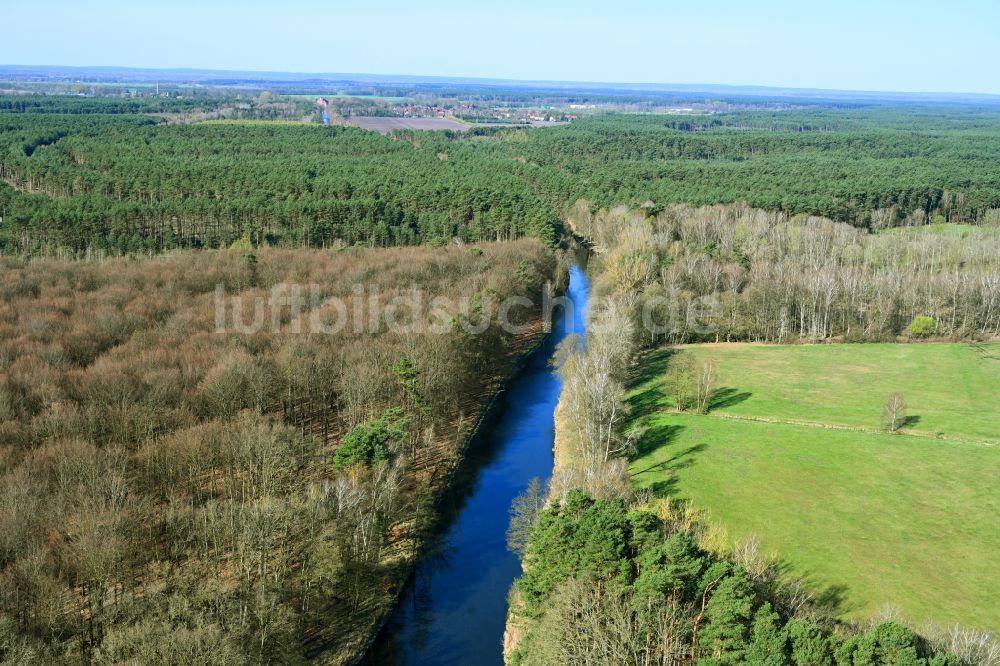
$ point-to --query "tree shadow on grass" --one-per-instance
(910, 421)
(727, 397)
(652, 398)
(833, 599)
(830, 600)
(667, 486)
(664, 488)
(654, 438)
(646, 402)
(652, 365)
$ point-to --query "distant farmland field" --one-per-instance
(791, 452)
(387, 125)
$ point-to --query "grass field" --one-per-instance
(385, 125)
(791, 452)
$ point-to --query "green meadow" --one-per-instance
(791, 452)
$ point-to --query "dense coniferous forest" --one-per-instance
(841, 164)
(65, 105)
(101, 174)
(612, 581)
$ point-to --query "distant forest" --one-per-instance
(112, 174)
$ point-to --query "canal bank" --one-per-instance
(454, 609)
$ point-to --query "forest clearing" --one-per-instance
(791, 451)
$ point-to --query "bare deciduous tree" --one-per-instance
(692, 382)
(704, 384)
(523, 514)
(894, 412)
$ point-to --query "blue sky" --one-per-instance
(914, 45)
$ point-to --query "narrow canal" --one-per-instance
(454, 610)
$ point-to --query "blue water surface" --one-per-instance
(454, 609)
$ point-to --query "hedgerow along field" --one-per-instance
(872, 520)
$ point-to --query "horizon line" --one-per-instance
(445, 78)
